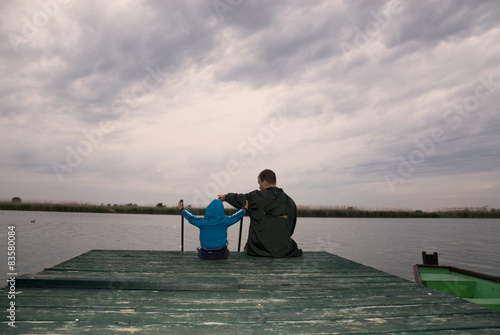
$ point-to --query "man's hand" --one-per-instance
(180, 204)
(246, 205)
(222, 197)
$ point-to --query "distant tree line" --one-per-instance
(303, 211)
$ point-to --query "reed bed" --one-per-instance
(303, 211)
(354, 212)
(94, 208)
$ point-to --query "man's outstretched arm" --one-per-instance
(236, 200)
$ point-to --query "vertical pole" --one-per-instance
(239, 239)
(182, 233)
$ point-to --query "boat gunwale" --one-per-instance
(485, 276)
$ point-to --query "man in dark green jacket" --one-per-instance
(273, 216)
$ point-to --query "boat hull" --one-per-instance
(475, 287)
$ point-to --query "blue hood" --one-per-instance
(215, 210)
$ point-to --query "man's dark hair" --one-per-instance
(268, 175)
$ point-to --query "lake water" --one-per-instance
(390, 245)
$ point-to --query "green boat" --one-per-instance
(478, 288)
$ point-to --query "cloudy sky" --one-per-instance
(375, 104)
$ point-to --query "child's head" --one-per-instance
(215, 210)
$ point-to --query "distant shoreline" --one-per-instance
(303, 211)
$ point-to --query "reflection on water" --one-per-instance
(391, 245)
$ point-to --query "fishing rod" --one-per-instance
(239, 239)
(182, 229)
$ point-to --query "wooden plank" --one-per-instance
(224, 314)
(122, 282)
(109, 299)
(258, 323)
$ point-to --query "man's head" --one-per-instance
(266, 179)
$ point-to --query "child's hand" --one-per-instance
(246, 205)
(180, 204)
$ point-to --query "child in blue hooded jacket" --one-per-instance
(213, 228)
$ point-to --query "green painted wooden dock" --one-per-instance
(169, 292)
